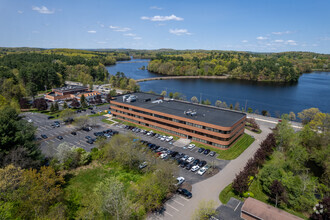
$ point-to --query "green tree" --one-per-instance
(163, 93)
(194, 99)
(250, 110)
(67, 114)
(177, 95)
(52, 108)
(207, 102)
(236, 106)
(170, 95)
(56, 107)
(218, 103)
(205, 210)
(65, 105)
(83, 101)
(308, 115)
(113, 198)
(292, 116)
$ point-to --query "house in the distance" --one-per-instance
(70, 92)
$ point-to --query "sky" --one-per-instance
(240, 25)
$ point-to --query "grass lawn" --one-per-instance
(227, 193)
(234, 151)
(46, 112)
(98, 114)
(145, 128)
(107, 121)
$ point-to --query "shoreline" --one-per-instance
(181, 77)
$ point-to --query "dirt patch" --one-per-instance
(211, 172)
(186, 186)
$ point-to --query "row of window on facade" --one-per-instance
(180, 121)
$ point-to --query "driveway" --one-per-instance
(210, 188)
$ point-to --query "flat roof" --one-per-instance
(70, 88)
(207, 114)
(264, 211)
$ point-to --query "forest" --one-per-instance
(275, 67)
(25, 72)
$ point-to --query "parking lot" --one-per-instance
(49, 145)
(190, 177)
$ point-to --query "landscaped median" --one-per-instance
(234, 151)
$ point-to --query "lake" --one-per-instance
(312, 89)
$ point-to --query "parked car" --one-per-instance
(44, 136)
(195, 168)
(184, 164)
(90, 141)
(202, 163)
(74, 133)
(185, 157)
(60, 137)
(190, 159)
(201, 150)
(202, 170)
(212, 154)
(180, 180)
(206, 152)
(191, 146)
(169, 138)
(185, 193)
(162, 138)
(50, 117)
(196, 162)
(189, 166)
(88, 137)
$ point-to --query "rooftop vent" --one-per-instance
(131, 98)
(125, 97)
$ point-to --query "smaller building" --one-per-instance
(253, 209)
(70, 92)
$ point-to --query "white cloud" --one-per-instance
(119, 29)
(130, 35)
(20, 12)
(291, 42)
(278, 41)
(91, 32)
(155, 8)
(262, 38)
(137, 38)
(283, 32)
(244, 41)
(162, 18)
(179, 32)
(42, 10)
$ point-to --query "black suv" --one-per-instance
(201, 150)
(207, 151)
(74, 133)
(185, 193)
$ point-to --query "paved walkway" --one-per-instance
(210, 188)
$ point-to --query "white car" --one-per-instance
(180, 180)
(191, 146)
(163, 155)
(195, 168)
(30, 120)
(169, 138)
(162, 138)
(202, 170)
(190, 159)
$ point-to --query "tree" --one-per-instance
(66, 114)
(205, 210)
(252, 122)
(264, 113)
(206, 102)
(19, 157)
(133, 86)
(177, 95)
(113, 92)
(52, 109)
(108, 97)
(40, 104)
(308, 115)
(24, 103)
(16, 132)
(278, 192)
(113, 198)
(83, 121)
(250, 110)
(83, 101)
(231, 106)
(194, 99)
(163, 93)
(241, 182)
(321, 121)
(98, 99)
(3, 101)
(170, 95)
(65, 105)
(292, 116)
(75, 103)
(56, 107)
(224, 105)
(236, 106)
(218, 103)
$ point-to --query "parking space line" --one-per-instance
(184, 198)
(237, 206)
(168, 213)
(52, 141)
(173, 207)
(177, 202)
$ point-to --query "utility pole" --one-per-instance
(200, 98)
(245, 104)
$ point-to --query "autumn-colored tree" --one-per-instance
(40, 104)
(278, 192)
(75, 103)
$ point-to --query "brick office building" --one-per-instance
(205, 124)
(70, 92)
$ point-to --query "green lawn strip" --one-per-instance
(46, 112)
(234, 151)
(250, 129)
(98, 114)
(146, 128)
(107, 121)
(227, 193)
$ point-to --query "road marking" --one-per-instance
(177, 202)
(46, 142)
(52, 141)
(184, 198)
(173, 207)
(168, 213)
(237, 206)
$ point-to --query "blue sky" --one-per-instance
(245, 25)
